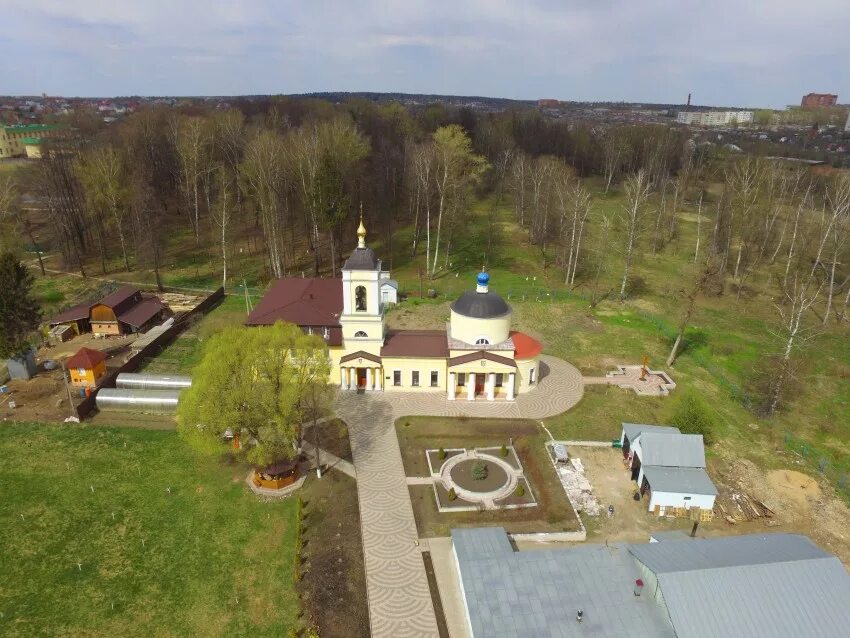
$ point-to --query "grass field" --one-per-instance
(92, 542)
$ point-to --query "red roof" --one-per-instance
(138, 315)
(525, 347)
(305, 302)
(119, 299)
(76, 313)
(416, 343)
(85, 358)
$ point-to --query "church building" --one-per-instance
(477, 356)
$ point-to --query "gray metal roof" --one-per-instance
(480, 305)
(537, 592)
(392, 283)
(778, 600)
(729, 551)
(669, 535)
(634, 430)
(362, 259)
(672, 450)
(683, 480)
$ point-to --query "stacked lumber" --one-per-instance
(737, 507)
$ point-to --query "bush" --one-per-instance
(480, 471)
(441, 454)
(520, 490)
(452, 494)
(692, 415)
(504, 451)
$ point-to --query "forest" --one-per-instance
(442, 189)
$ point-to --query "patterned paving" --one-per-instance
(399, 598)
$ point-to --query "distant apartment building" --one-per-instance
(548, 103)
(24, 140)
(714, 118)
(814, 100)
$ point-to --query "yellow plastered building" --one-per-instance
(477, 356)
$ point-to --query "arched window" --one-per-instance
(360, 298)
(482, 341)
(360, 333)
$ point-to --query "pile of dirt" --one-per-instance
(795, 486)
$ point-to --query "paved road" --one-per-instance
(399, 598)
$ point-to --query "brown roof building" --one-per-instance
(314, 304)
(123, 311)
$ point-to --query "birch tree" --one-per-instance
(221, 215)
(192, 143)
(456, 170)
(838, 201)
(637, 194)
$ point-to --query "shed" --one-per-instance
(87, 367)
(677, 487)
(389, 291)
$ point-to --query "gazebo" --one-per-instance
(276, 475)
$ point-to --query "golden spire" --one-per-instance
(361, 231)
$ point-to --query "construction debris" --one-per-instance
(736, 507)
(577, 487)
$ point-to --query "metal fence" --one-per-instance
(834, 468)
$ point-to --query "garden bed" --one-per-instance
(511, 457)
(435, 462)
(417, 435)
(458, 504)
(514, 500)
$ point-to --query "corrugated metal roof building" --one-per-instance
(770, 586)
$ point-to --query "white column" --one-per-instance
(344, 376)
(491, 386)
(352, 378)
(511, 384)
(373, 377)
(452, 385)
(470, 386)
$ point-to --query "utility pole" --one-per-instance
(68, 388)
(247, 303)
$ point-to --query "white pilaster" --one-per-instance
(470, 386)
(491, 386)
(452, 385)
(511, 384)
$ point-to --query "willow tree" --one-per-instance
(260, 384)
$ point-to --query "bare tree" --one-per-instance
(191, 138)
(692, 294)
(222, 215)
(637, 194)
(792, 332)
(615, 152)
(838, 200)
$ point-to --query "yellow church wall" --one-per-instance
(406, 366)
(469, 329)
(524, 368)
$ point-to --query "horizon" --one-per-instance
(769, 57)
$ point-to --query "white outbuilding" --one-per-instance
(669, 468)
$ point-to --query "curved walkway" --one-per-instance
(397, 587)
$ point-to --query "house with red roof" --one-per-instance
(477, 357)
(87, 367)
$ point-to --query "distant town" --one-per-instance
(816, 130)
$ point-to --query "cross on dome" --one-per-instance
(361, 231)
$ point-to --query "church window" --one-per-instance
(360, 333)
(414, 378)
(531, 375)
(360, 298)
(482, 341)
(435, 378)
(396, 377)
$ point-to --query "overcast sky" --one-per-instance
(726, 52)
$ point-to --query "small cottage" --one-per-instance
(87, 367)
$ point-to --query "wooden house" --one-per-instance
(87, 367)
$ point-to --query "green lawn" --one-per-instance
(128, 558)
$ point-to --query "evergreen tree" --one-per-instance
(19, 311)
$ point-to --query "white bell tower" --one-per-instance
(362, 317)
